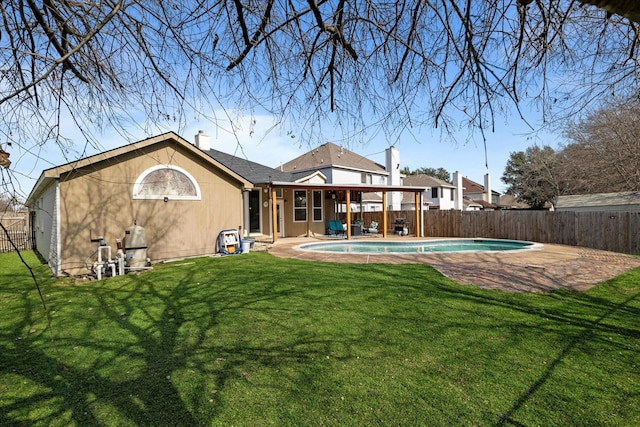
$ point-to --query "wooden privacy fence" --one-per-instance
(18, 229)
(611, 231)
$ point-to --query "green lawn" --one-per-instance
(256, 340)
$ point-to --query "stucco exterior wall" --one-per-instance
(301, 228)
(98, 201)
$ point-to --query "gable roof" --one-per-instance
(472, 187)
(469, 186)
(426, 181)
(51, 174)
(331, 155)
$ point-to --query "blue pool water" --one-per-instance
(449, 245)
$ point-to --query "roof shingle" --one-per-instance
(330, 154)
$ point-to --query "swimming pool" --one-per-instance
(413, 246)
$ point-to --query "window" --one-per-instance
(434, 193)
(317, 205)
(452, 194)
(366, 178)
(299, 205)
(163, 181)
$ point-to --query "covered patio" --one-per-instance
(351, 192)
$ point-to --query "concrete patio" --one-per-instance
(539, 270)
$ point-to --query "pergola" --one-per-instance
(348, 189)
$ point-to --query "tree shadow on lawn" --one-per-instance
(575, 322)
(118, 356)
(158, 350)
(580, 322)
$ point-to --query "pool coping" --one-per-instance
(543, 269)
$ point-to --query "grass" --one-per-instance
(257, 340)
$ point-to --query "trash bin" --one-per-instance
(246, 246)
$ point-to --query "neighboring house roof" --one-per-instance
(422, 180)
(508, 201)
(54, 173)
(251, 171)
(467, 203)
(426, 181)
(483, 203)
(599, 200)
(472, 187)
(371, 197)
(331, 155)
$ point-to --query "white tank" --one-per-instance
(135, 247)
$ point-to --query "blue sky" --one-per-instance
(257, 139)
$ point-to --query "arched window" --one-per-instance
(163, 181)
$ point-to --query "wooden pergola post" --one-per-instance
(348, 197)
(309, 211)
(418, 214)
(384, 214)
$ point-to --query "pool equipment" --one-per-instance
(135, 247)
(130, 256)
(105, 264)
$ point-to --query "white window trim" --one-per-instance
(314, 207)
(306, 207)
(143, 175)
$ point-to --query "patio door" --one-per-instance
(254, 211)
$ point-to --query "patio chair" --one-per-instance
(335, 227)
(373, 228)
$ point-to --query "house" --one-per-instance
(180, 194)
(628, 201)
(342, 166)
(184, 194)
(438, 195)
(460, 194)
(479, 193)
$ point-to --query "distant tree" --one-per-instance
(440, 173)
(531, 176)
(603, 155)
(9, 203)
